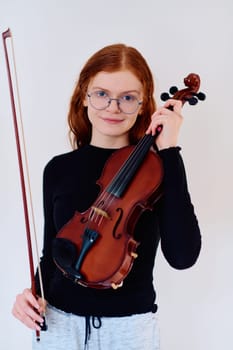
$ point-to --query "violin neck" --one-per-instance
(125, 174)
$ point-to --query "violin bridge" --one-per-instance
(101, 212)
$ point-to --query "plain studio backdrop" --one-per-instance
(52, 41)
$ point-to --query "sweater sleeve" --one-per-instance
(46, 263)
(179, 229)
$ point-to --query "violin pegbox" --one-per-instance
(190, 94)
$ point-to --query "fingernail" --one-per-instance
(37, 326)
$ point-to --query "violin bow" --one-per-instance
(26, 203)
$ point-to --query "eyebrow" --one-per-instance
(123, 92)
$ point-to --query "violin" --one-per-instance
(97, 248)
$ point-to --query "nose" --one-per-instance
(113, 105)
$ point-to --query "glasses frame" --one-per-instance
(118, 100)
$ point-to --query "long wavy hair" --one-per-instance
(111, 58)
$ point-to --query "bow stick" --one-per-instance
(5, 35)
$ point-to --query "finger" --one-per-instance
(26, 306)
(176, 104)
(23, 310)
(161, 112)
(37, 302)
(155, 126)
(28, 321)
(31, 298)
(27, 298)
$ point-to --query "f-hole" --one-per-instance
(114, 233)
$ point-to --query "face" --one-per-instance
(110, 126)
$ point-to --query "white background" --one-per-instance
(52, 40)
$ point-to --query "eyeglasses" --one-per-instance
(127, 104)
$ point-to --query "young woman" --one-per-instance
(112, 106)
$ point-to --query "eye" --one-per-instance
(128, 98)
(101, 93)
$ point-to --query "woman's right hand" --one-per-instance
(28, 309)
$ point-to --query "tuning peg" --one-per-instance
(173, 90)
(192, 101)
(164, 96)
(201, 96)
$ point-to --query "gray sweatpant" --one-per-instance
(72, 332)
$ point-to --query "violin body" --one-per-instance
(97, 248)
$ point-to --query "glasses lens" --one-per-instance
(128, 104)
(99, 99)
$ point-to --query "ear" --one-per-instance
(85, 104)
(140, 112)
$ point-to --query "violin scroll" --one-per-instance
(189, 94)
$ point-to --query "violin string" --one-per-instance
(27, 173)
(106, 195)
(131, 161)
(106, 198)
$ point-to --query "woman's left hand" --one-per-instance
(170, 122)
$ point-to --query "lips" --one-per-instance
(112, 120)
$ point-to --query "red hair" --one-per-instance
(111, 58)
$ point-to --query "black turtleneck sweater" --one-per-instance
(69, 186)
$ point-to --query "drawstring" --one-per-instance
(96, 323)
